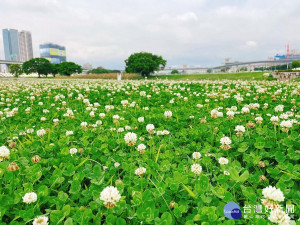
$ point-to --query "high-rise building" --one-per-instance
(53, 52)
(17, 45)
(11, 44)
(25, 46)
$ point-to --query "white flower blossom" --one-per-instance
(196, 155)
(41, 220)
(280, 217)
(29, 197)
(140, 171)
(223, 161)
(110, 196)
(41, 132)
(4, 152)
(130, 138)
(196, 169)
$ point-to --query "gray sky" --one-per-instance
(193, 32)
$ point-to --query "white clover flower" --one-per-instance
(116, 117)
(83, 124)
(196, 169)
(41, 220)
(116, 164)
(226, 173)
(239, 128)
(41, 132)
(225, 140)
(143, 93)
(230, 113)
(214, 113)
(130, 138)
(165, 132)
(29, 131)
(4, 152)
(284, 116)
(92, 114)
(141, 119)
(29, 197)
(279, 216)
(159, 132)
(121, 129)
(102, 115)
(22, 133)
(105, 168)
(223, 161)
(43, 118)
(279, 108)
(272, 193)
(219, 114)
(55, 120)
(73, 151)
(140, 171)
(286, 124)
(98, 122)
(196, 155)
(245, 110)
(69, 132)
(150, 128)
(233, 108)
(127, 127)
(141, 148)
(274, 119)
(124, 102)
(110, 195)
(168, 114)
(258, 119)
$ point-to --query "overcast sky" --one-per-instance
(193, 32)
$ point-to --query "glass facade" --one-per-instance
(54, 53)
(11, 44)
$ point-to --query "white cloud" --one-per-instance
(200, 32)
(251, 44)
(189, 16)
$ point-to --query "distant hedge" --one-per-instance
(287, 70)
(101, 71)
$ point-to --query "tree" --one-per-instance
(54, 69)
(144, 63)
(16, 69)
(174, 72)
(101, 70)
(68, 68)
(224, 69)
(208, 70)
(295, 64)
(40, 66)
(243, 68)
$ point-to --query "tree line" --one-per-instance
(42, 66)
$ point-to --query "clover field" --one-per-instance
(148, 152)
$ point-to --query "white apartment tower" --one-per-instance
(25, 46)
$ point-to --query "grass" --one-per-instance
(220, 76)
(297, 79)
(113, 76)
(217, 76)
